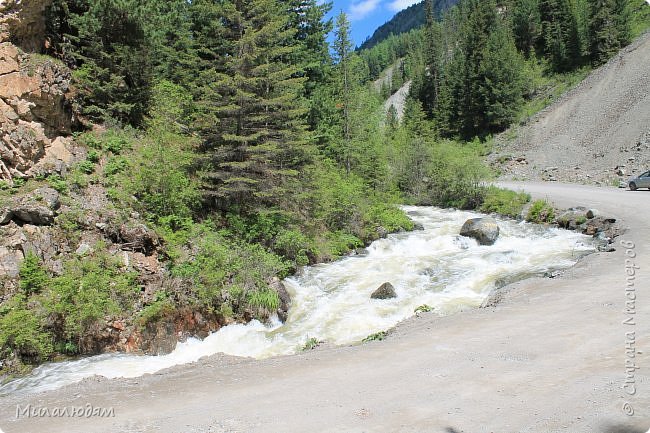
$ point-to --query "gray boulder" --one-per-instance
(484, 230)
(39, 208)
(385, 291)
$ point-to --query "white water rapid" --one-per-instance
(331, 302)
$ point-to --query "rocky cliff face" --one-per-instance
(22, 22)
(35, 95)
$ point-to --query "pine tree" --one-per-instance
(608, 28)
(560, 34)
(106, 44)
(257, 143)
(502, 87)
(433, 57)
(526, 25)
(343, 51)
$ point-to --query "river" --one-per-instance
(331, 302)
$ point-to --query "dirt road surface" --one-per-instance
(550, 358)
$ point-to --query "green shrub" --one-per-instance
(504, 202)
(33, 277)
(311, 344)
(266, 301)
(19, 182)
(21, 332)
(389, 217)
(86, 167)
(377, 336)
(339, 243)
(157, 310)
(57, 183)
(424, 308)
(115, 165)
(90, 289)
(541, 212)
(93, 156)
(293, 245)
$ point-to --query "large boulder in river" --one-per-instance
(484, 230)
(385, 291)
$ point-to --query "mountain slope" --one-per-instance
(410, 18)
(597, 133)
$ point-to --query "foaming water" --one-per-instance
(331, 302)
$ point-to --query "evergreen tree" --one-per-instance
(608, 28)
(106, 44)
(257, 143)
(526, 25)
(343, 52)
(433, 57)
(560, 34)
(502, 81)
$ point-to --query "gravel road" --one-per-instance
(550, 358)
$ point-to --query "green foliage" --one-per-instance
(541, 212)
(504, 202)
(640, 21)
(311, 344)
(33, 278)
(86, 167)
(158, 309)
(105, 42)
(58, 183)
(90, 289)
(377, 336)
(609, 28)
(21, 332)
(560, 34)
(93, 156)
(116, 165)
(294, 246)
(225, 271)
(265, 300)
(253, 115)
(423, 309)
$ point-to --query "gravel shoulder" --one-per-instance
(549, 358)
(597, 133)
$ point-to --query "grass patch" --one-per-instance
(377, 336)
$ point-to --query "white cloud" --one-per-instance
(398, 5)
(360, 10)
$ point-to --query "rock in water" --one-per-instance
(484, 230)
(385, 291)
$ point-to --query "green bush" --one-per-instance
(266, 301)
(157, 310)
(90, 289)
(21, 332)
(504, 202)
(293, 245)
(58, 183)
(541, 212)
(377, 336)
(86, 167)
(115, 165)
(93, 156)
(33, 277)
(338, 243)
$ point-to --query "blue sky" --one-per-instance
(367, 15)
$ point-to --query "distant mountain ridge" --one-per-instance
(404, 21)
